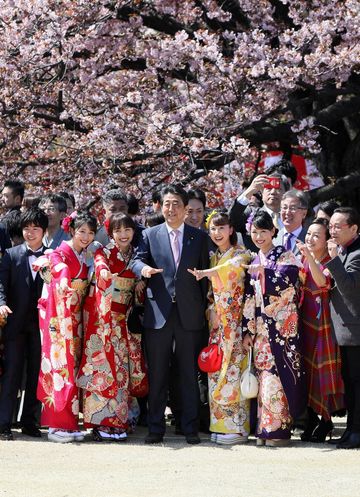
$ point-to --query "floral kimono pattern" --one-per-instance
(271, 316)
(111, 356)
(61, 332)
(229, 413)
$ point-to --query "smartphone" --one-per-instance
(273, 183)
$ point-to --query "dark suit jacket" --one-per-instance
(278, 240)
(155, 250)
(15, 291)
(238, 214)
(345, 295)
(5, 241)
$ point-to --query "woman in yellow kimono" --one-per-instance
(229, 413)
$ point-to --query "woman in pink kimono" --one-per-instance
(61, 328)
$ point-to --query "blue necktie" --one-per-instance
(289, 237)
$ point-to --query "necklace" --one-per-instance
(321, 258)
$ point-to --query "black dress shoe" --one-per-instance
(320, 433)
(154, 438)
(31, 431)
(312, 423)
(343, 438)
(353, 442)
(6, 434)
(192, 438)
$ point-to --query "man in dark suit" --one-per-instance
(174, 310)
(293, 211)
(271, 195)
(20, 289)
(12, 196)
(344, 266)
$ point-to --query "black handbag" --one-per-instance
(135, 319)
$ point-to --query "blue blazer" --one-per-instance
(155, 250)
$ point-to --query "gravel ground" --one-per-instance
(38, 468)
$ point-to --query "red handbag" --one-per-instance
(210, 358)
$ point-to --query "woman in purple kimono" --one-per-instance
(270, 325)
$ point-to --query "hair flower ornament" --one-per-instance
(249, 222)
(209, 218)
(67, 221)
(106, 225)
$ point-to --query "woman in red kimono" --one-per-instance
(321, 353)
(61, 328)
(111, 360)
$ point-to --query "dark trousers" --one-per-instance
(159, 347)
(350, 370)
(25, 348)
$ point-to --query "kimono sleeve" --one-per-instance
(283, 274)
(59, 269)
(232, 270)
(249, 310)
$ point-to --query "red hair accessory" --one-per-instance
(67, 221)
(106, 225)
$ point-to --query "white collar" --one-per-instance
(295, 233)
(180, 229)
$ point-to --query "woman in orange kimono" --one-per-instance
(61, 328)
(111, 369)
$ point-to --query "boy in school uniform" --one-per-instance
(20, 289)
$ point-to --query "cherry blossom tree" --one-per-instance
(146, 91)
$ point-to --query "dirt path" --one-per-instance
(41, 469)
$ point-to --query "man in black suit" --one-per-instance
(271, 194)
(174, 310)
(12, 196)
(20, 289)
(344, 266)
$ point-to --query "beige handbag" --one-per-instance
(249, 385)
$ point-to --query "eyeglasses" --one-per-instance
(291, 208)
(49, 209)
(337, 227)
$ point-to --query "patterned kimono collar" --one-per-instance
(271, 256)
(72, 254)
(111, 247)
(221, 255)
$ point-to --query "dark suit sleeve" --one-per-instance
(347, 279)
(142, 255)
(5, 274)
(238, 214)
(5, 241)
(204, 264)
